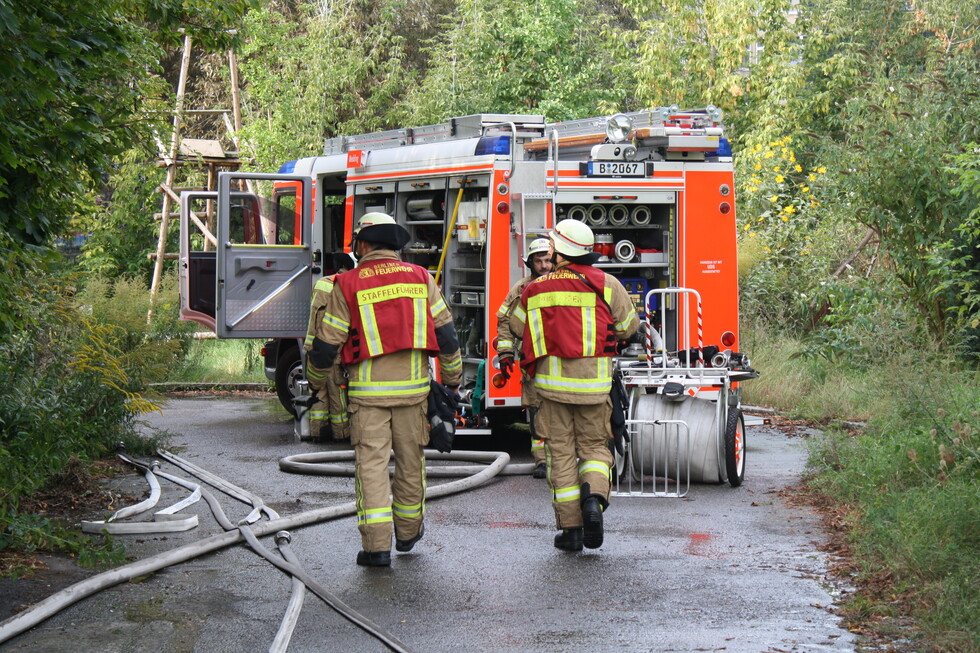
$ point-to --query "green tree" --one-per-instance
(79, 80)
(329, 68)
(894, 135)
(511, 57)
(698, 52)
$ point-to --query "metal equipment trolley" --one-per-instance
(685, 420)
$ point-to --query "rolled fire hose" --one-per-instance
(625, 251)
(597, 215)
(619, 214)
(641, 216)
(56, 602)
(577, 212)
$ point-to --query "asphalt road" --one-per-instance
(723, 569)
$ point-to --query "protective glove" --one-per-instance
(443, 404)
(506, 365)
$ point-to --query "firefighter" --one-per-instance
(329, 386)
(571, 320)
(385, 319)
(538, 261)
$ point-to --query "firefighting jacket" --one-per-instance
(570, 332)
(390, 364)
(506, 342)
(321, 291)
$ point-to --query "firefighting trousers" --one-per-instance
(329, 411)
(537, 444)
(376, 433)
(576, 438)
(529, 400)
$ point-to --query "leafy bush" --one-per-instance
(913, 479)
(75, 363)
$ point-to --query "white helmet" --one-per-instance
(538, 246)
(572, 238)
(381, 228)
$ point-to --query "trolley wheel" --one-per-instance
(735, 447)
(289, 369)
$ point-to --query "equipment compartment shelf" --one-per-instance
(631, 265)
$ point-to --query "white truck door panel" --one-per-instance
(264, 273)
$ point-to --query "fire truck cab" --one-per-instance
(655, 186)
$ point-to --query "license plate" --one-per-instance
(616, 169)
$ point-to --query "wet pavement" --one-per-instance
(723, 569)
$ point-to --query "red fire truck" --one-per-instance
(656, 187)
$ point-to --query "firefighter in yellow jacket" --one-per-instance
(538, 261)
(571, 320)
(385, 319)
(329, 409)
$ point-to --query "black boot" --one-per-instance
(570, 539)
(406, 545)
(374, 558)
(592, 507)
(540, 471)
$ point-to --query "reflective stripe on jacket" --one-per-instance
(393, 310)
(567, 318)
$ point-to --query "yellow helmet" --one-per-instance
(572, 238)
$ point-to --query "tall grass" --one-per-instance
(209, 360)
(911, 476)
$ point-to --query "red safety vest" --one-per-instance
(565, 317)
(389, 306)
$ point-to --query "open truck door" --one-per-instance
(263, 261)
(197, 264)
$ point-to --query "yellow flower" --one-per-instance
(789, 209)
(767, 249)
(774, 198)
(757, 166)
(769, 154)
(751, 189)
(792, 157)
(822, 170)
(785, 218)
(812, 177)
(806, 189)
(780, 179)
(798, 167)
(756, 180)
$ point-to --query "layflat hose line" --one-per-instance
(339, 606)
(164, 521)
(56, 602)
(322, 463)
(296, 597)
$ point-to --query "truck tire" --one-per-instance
(289, 369)
(735, 447)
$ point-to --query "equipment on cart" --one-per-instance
(685, 422)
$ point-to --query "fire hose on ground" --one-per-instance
(324, 463)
